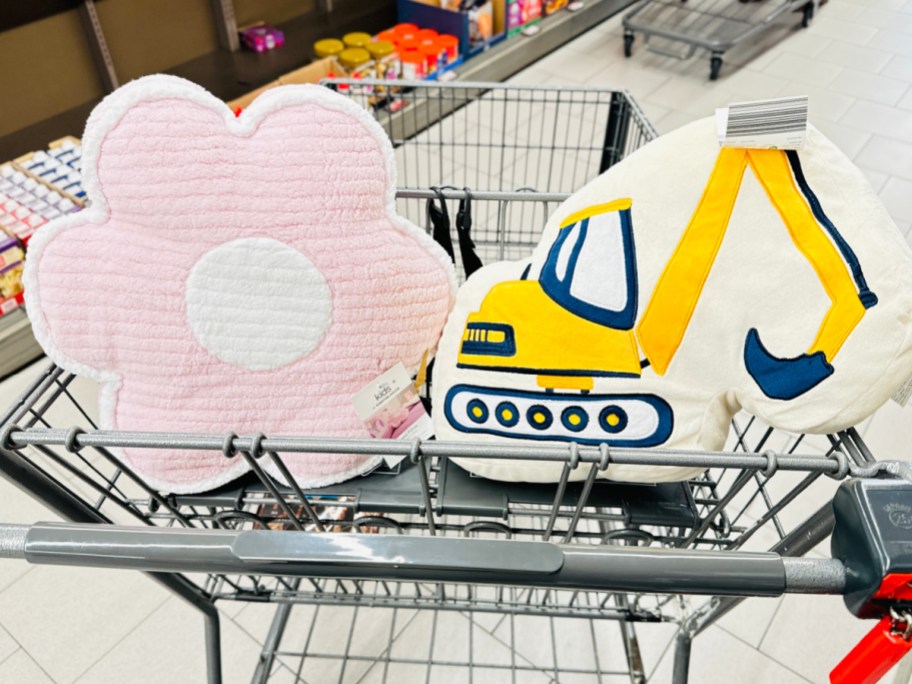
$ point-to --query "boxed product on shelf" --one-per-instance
(477, 28)
(27, 203)
(262, 37)
(11, 263)
(552, 6)
(59, 166)
(522, 13)
(34, 189)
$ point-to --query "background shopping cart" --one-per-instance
(519, 150)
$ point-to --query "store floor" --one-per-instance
(85, 626)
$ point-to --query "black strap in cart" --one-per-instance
(439, 218)
(470, 260)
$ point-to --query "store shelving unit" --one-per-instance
(230, 74)
(227, 74)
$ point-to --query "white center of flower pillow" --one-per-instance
(257, 303)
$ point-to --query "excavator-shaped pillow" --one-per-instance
(684, 284)
(243, 275)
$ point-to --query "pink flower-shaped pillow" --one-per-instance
(239, 275)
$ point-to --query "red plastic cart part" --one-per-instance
(873, 656)
(897, 586)
(883, 646)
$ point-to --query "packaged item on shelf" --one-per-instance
(357, 62)
(18, 220)
(648, 317)
(414, 65)
(522, 13)
(328, 47)
(514, 16)
(356, 39)
(449, 49)
(386, 60)
(552, 6)
(408, 44)
(431, 54)
(26, 203)
(11, 262)
(35, 188)
(405, 30)
(334, 284)
(389, 35)
(262, 37)
(481, 23)
(59, 167)
(426, 34)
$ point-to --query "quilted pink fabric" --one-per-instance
(177, 183)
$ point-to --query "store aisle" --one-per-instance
(854, 62)
(65, 626)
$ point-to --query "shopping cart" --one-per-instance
(578, 559)
(676, 28)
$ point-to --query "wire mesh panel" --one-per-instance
(494, 138)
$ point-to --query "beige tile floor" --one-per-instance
(77, 626)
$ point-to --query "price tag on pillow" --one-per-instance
(390, 408)
(901, 396)
(764, 124)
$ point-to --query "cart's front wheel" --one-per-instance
(715, 63)
(807, 13)
(628, 43)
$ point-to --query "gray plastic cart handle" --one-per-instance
(426, 559)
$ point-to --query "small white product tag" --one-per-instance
(901, 396)
(390, 408)
(779, 124)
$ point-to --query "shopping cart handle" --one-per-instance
(12, 540)
(394, 552)
(421, 558)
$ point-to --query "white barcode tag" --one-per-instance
(901, 396)
(391, 409)
(764, 124)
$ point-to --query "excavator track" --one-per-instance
(631, 420)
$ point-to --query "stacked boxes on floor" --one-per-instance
(34, 189)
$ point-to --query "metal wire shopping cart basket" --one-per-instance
(677, 29)
(501, 553)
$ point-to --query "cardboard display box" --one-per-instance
(312, 73)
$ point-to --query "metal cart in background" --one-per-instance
(587, 562)
(677, 28)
